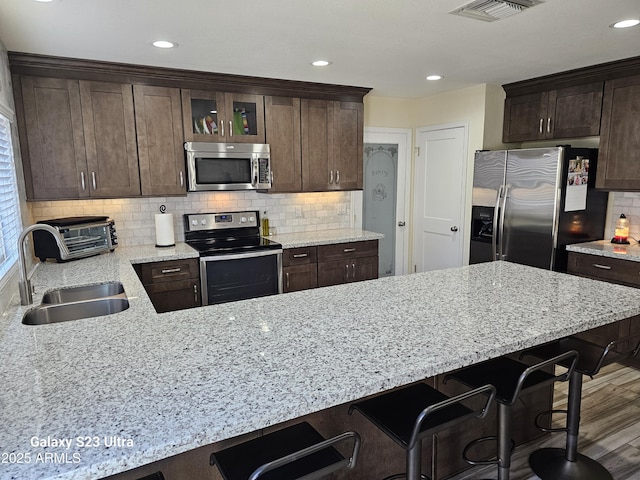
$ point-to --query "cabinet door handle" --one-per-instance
(348, 250)
(222, 128)
(549, 125)
(82, 182)
(346, 272)
(195, 293)
(602, 267)
(353, 270)
(287, 275)
(181, 179)
(171, 270)
(337, 177)
(541, 126)
(331, 176)
(93, 179)
(230, 129)
(300, 255)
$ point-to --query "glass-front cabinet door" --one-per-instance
(222, 117)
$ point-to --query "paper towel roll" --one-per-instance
(164, 230)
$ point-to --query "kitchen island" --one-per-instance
(144, 386)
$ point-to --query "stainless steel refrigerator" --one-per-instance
(528, 204)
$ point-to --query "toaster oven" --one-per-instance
(83, 236)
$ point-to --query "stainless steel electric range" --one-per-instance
(236, 263)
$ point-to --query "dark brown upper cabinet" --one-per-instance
(78, 138)
(110, 139)
(554, 114)
(160, 145)
(210, 116)
(618, 160)
(315, 130)
(332, 145)
(282, 119)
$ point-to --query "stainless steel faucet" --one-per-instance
(26, 295)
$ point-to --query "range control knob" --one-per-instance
(252, 219)
(203, 222)
(243, 219)
(194, 222)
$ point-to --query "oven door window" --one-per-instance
(212, 171)
(229, 280)
(86, 239)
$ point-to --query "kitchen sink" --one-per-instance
(74, 303)
(63, 312)
(82, 293)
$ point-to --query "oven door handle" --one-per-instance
(236, 256)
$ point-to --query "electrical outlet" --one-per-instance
(342, 209)
(298, 211)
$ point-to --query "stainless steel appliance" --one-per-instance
(83, 236)
(528, 204)
(236, 263)
(228, 166)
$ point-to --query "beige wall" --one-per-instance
(387, 112)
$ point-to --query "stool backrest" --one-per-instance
(570, 356)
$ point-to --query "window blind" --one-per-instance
(9, 208)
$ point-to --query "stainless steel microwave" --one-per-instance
(227, 166)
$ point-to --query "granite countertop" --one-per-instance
(308, 239)
(605, 248)
(162, 384)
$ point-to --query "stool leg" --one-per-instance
(414, 461)
(573, 415)
(568, 464)
(504, 441)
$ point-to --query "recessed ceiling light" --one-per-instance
(434, 77)
(632, 22)
(164, 44)
(320, 63)
(44, 1)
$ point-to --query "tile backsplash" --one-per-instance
(629, 204)
(135, 217)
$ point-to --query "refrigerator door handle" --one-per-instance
(494, 237)
(501, 230)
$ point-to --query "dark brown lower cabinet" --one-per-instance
(333, 264)
(171, 285)
(347, 262)
(612, 270)
(300, 277)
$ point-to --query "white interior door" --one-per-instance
(384, 202)
(439, 198)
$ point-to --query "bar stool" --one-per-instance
(567, 463)
(510, 378)
(295, 452)
(409, 414)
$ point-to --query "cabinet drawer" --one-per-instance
(613, 270)
(169, 271)
(341, 251)
(299, 256)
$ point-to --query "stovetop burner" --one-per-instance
(226, 233)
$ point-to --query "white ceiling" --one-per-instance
(390, 45)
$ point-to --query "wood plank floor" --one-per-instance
(609, 429)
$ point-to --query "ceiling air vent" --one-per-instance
(491, 10)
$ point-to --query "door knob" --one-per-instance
(454, 229)
(401, 224)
